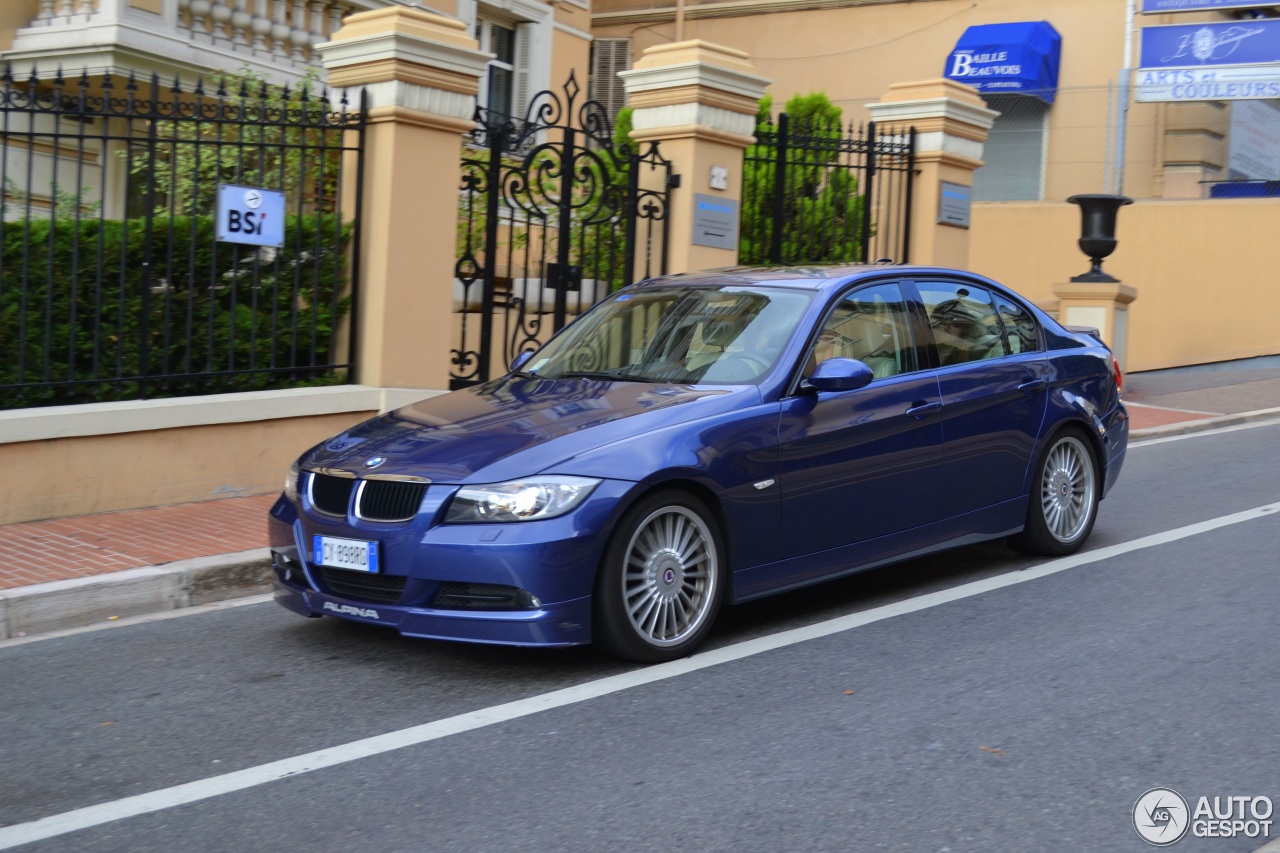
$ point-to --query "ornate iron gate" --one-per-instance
(554, 214)
(816, 192)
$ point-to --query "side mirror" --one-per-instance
(521, 360)
(841, 374)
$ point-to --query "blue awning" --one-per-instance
(1015, 59)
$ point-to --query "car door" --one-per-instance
(854, 465)
(993, 380)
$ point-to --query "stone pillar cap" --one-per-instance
(696, 63)
(405, 20)
(939, 98)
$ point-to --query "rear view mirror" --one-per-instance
(521, 360)
(841, 374)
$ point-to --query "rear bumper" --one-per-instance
(1115, 438)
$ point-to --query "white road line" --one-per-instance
(1148, 442)
(72, 821)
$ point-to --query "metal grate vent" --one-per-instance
(389, 500)
(482, 596)
(331, 494)
(362, 586)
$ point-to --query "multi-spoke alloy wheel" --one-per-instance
(660, 586)
(1064, 499)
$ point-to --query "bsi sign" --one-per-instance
(250, 215)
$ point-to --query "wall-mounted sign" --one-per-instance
(1198, 45)
(1011, 58)
(1223, 83)
(250, 215)
(1156, 7)
(953, 205)
(719, 179)
(715, 221)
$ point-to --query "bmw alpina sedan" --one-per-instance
(700, 440)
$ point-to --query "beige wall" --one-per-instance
(78, 475)
(1204, 271)
(854, 52)
(15, 14)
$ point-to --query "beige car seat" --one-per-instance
(859, 336)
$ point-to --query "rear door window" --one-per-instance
(1020, 328)
(964, 323)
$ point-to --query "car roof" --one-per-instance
(816, 278)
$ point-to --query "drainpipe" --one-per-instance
(1126, 74)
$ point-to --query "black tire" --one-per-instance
(1063, 504)
(662, 580)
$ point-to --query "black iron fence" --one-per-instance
(112, 283)
(554, 214)
(819, 192)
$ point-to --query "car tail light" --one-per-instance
(1115, 364)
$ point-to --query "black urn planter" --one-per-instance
(1098, 230)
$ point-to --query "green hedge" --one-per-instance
(77, 306)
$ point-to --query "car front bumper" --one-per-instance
(552, 563)
(567, 623)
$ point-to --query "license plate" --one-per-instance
(354, 554)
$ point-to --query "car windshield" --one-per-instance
(730, 335)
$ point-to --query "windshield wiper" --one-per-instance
(615, 375)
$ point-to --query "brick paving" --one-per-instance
(81, 546)
(1143, 416)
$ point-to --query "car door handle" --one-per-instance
(920, 411)
(1035, 386)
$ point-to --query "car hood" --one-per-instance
(515, 427)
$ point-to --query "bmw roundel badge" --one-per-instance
(374, 461)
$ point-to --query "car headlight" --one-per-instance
(519, 500)
(291, 483)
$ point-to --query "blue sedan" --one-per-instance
(706, 439)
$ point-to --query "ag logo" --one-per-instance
(1161, 817)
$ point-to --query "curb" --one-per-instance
(41, 608)
(1204, 424)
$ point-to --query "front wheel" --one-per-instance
(1064, 499)
(660, 586)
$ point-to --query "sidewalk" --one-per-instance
(72, 572)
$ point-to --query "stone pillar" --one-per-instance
(951, 122)
(1102, 305)
(421, 72)
(699, 100)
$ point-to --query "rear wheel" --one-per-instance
(1064, 498)
(660, 586)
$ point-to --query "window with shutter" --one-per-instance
(608, 57)
(506, 90)
(1013, 157)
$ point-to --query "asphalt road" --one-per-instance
(979, 703)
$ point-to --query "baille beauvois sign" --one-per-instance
(1226, 61)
